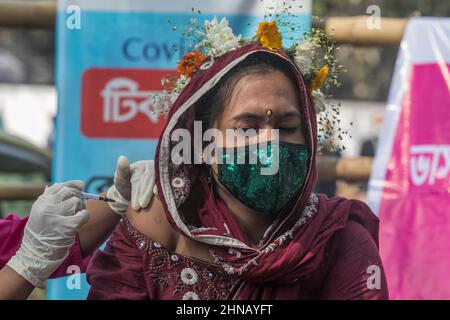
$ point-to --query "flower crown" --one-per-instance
(313, 55)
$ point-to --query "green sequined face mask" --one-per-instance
(254, 176)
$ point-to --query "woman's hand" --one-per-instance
(55, 219)
(133, 183)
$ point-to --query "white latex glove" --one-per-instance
(135, 183)
(54, 221)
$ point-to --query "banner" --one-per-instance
(111, 56)
(409, 187)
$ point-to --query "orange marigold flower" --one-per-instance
(190, 63)
(320, 78)
(269, 36)
(169, 83)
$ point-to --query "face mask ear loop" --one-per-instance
(206, 181)
(210, 179)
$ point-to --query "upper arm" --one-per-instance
(152, 223)
(102, 221)
(356, 270)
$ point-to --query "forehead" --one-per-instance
(257, 92)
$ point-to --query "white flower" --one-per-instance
(190, 296)
(189, 276)
(321, 102)
(181, 83)
(163, 101)
(219, 37)
(304, 56)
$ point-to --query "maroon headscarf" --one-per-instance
(293, 247)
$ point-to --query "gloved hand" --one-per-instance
(135, 183)
(54, 221)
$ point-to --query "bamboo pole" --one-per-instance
(27, 14)
(345, 30)
(330, 169)
(356, 31)
(29, 191)
(354, 169)
(348, 169)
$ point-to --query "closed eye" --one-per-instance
(289, 130)
(247, 131)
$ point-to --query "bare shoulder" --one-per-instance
(152, 223)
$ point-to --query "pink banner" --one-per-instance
(410, 183)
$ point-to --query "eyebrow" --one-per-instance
(257, 117)
(288, 114)
(248, 116)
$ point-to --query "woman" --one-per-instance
(224, 231)
(57, 234)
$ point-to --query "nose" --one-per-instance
(268, 133)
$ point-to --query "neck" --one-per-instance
(253, 224)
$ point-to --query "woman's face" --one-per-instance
(248, 108)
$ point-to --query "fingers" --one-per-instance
(75, 184)
(64, 194)
(70, 206)
(79, 218)
(67, 192)
(135, 191)
(49, 190)
(60, 192)
(122, 178)
(123, 169)
(142, 181)
(147, 192)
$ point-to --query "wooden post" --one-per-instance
(346, 30)
(29, 191)
(347, 169)
(330, 169)
(28, 14)
(354, 30)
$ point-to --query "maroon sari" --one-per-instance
(320, 249)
